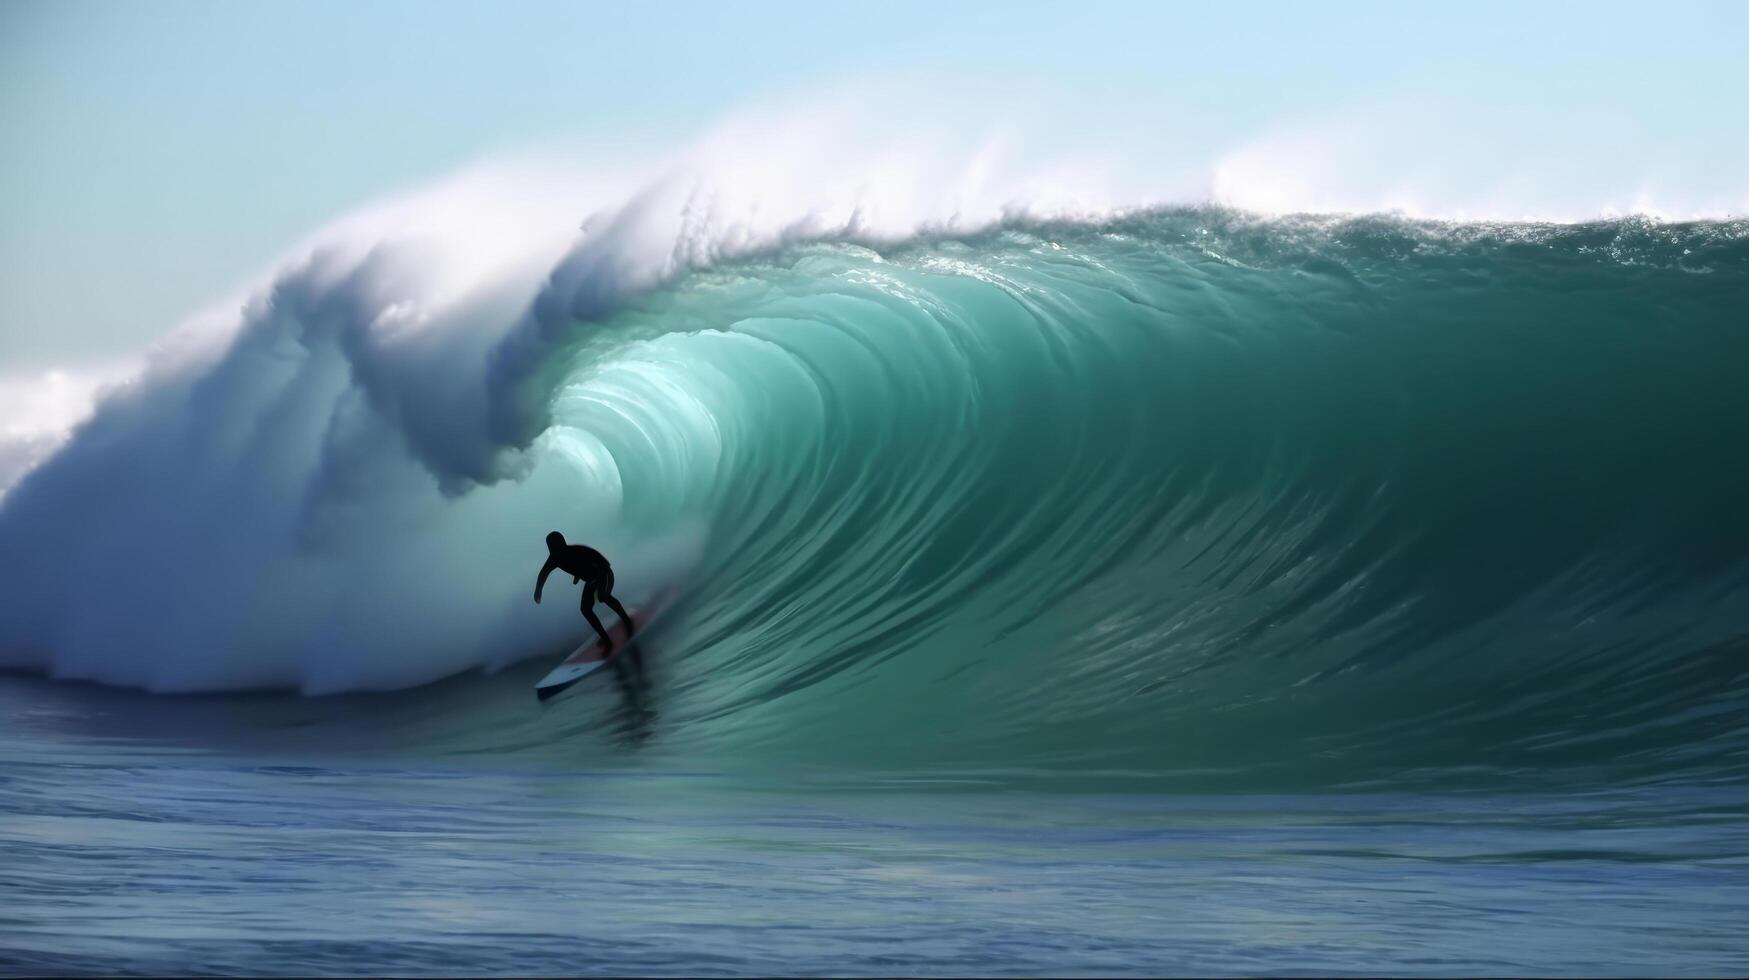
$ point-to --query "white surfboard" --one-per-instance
(572, 670)
(587, 659)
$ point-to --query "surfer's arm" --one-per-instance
(545, 570)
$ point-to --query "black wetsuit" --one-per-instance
(584, 563)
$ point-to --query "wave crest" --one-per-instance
(1171, 490)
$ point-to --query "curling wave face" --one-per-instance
(1182, 490)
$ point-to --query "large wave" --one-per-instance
(1165, 488)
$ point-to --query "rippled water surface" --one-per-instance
(132, 853)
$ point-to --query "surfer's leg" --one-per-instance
(619, 611)
(589, 614)
(624, 617)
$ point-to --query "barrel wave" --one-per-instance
(1181, 491)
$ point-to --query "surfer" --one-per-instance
(590, 567)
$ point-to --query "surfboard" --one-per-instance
(587, 659)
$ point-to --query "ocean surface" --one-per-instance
(1169, 591)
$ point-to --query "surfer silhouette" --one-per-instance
(589, 566)
(585, 564)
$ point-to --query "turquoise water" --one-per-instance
(1178, 592)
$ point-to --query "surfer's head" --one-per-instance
(555, 541)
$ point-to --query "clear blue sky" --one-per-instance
(154, 154)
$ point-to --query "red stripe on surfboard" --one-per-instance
(592, 653)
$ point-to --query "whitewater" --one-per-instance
(1207, 565)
